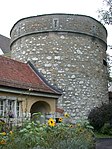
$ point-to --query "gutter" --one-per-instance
(30, 93)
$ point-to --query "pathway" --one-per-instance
(104, 143)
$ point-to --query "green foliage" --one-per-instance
(34, 135)
(109, 67)
(96, 118)
(100, 115)
(106, 129)
(105, 14)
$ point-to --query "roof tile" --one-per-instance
(21, 75)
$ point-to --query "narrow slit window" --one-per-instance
(55, 23)
(104, 62)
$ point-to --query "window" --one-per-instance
(11, 105)
(11, 108)
(55, 23)
(18, 108)
(1, 108)
(104, 62)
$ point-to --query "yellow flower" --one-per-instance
(3, 133)
(2, 122)
(78, 124)
(66, 115)
(71, 126)
(11, 132)
(60, 119)
(3, 142)
(80, 130)
(51, 122)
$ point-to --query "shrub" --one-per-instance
(100, 115)
(106, 129)
(96, 118)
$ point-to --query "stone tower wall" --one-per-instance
(70, 51)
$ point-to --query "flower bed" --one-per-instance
(34, 135)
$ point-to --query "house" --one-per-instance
(23, 90)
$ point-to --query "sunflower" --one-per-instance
(11, 132)
(2, 123)
(51, 122)
(3, 142)
(66, 115)
(3, 133)
(71, 126)
(60, 120)
(78, 125)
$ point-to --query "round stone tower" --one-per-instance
(70, 51)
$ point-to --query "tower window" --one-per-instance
(104, 62)
(55, 23)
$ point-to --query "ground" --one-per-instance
(104, 143)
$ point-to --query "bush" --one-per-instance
(106, 129)
(96, 118)
(100, 115)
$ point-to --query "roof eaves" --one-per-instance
(27, 92)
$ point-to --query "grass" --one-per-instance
(99, 135)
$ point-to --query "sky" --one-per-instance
(13, 10)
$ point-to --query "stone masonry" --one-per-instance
(70, 51)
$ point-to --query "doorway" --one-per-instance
(40, 106)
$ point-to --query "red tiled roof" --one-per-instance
(21, 75)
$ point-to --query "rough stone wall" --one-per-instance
(69, 51)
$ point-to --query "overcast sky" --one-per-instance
(13, 10)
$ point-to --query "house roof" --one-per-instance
(20, 75)
(4, 44)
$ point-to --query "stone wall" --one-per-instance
(70, 51)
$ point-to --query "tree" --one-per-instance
(109, 69)
(105, 14)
